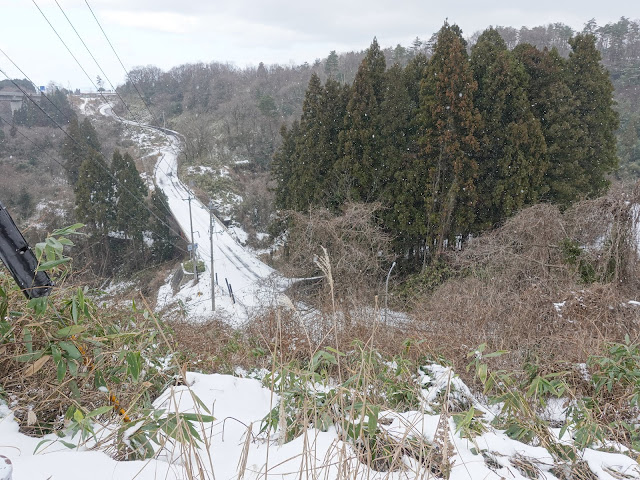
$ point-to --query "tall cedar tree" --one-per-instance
(72, 150)
(310, 148)
(82, 144)
(95, 191)
(361, 141)
(554, 105)
(511, 159)
(131, 192)
(596, 120)
(333, 108)
(90, 135)
(283, 167)
(403, 178)
(163, 241)
(332, 65)
(448, 141)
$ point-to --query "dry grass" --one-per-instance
(39, 395)
(517, 288)
(512, 277)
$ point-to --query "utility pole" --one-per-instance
(213, 282)
(194, 259)
(386, 292)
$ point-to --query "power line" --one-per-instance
(85, 147)
(153, 117)
(71, 53)
(60, 111)
(97, 64)
(136, 119)
(55, 160)
(103, 166)
(92, 56)
(56, 106)
(65, 45)
(74, 57)
(121, 64)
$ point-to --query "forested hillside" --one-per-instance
(228, 110)
(455, 144)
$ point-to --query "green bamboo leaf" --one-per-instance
(71, 349)
(73, 368)
(71, 330)
(194, 417)
(482, 372)
(134, 364)
(100, 411)
(52, 263)
(61, 370)
(78, 416)
(28, 357)
(67, 444)
(70, 230)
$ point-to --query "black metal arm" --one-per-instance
(20, 259)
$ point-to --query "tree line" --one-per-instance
(453, 144)
(114, 202)
(227, 112)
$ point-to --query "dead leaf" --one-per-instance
(35, 366)
(32, 419)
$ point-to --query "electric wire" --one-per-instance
(84, 70)
(96, 62)
(80, 65)
(69, 50)
(144, 102)
(71, 53)
(119, 60)
(102, 165)
(42, 93)
(55, 160)
(62, 113)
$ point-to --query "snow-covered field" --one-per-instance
(232, 446)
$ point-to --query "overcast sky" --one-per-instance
(167, 33)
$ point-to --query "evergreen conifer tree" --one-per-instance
(282, 167)
(402, 175)
(131, 192)
(90, 135)
(511, 158)
(361, 140)
(596, 119)
(309, 148)
(333, 107)
(74, 150)
(331, 66)
(95, 191)
(554, 105)
(163, 241)
(448, 140)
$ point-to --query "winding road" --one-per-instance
(253, 283)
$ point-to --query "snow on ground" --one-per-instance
(244, 283)
(83, 106)
(239, 404)
(233, 447)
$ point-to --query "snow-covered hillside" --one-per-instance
(244, 283)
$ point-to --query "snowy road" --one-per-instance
(253, 283)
